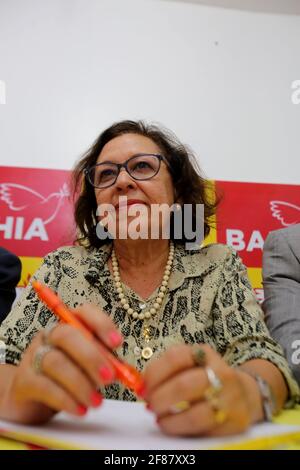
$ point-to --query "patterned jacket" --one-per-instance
(209, 300)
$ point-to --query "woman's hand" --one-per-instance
(70, 371)
(211, 399)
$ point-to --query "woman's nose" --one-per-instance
(124, 180)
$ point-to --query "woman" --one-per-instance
(150, 299)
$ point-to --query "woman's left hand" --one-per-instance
(190, 399)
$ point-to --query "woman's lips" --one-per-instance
(128, 203)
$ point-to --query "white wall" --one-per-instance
(221, 79)
(268, 6)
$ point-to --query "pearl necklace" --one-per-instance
(161, 294)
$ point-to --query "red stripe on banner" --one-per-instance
(249, 211)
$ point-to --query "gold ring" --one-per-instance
(220, 415)
(179, 407)
(39, 356)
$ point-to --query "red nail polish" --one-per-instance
(81, 410)
(115, 339)
(106, 374)
(96, 399)
(142, 392)
(149, 407)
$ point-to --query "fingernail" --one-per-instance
(142, 391)
(106, 374)
(115, 339)
(81, 410)
(96, 399)
(149, 407)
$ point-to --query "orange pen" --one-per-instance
(127, 374)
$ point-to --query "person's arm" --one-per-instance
(10, 266)
(243, 356)
(243, 338)
(73, 368)
(10, 272)
(66, 377)
(281, 280)
(271, 374)
(33, 413)
(179, 392)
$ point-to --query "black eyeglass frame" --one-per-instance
(125, 165)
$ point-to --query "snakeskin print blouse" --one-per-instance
(209, 300)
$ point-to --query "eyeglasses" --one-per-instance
(142, 166)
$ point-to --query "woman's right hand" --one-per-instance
(71, 371)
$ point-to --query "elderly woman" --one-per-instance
(185, 317)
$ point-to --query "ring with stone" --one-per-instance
(199, 356)
(39, 356)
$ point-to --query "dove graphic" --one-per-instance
(22, 198)
(285, 212)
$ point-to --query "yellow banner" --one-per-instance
(29, 266)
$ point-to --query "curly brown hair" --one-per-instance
(190, 185)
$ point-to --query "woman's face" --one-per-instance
(135, 194)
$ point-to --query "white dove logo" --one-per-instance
(19, 198)
(285, 212)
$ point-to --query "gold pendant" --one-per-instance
(147, 352)
(146, 333)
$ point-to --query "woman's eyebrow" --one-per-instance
(104, 161)
(131, 156)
